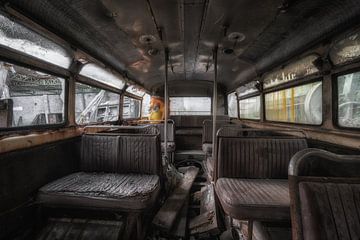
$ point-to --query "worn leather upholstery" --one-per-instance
(252, 176)
(330, 210)
(324, 195)
(256, 157)
(102, 190)
(254, 198)
(118, 172)
(120, 153)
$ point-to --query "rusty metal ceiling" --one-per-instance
(130, 36)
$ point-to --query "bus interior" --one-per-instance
(180, 119)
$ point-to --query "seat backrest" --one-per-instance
(121, 153)
(246, 157)
(170, 131)
(208, 127)
(194, 121)
(144, 129)
(324, 195)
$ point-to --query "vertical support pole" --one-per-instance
(250, 229)
(214, 112)
(166, 100)
(75, 69)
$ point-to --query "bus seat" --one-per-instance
(119, 172)
(230, 130)
(251, 176)
(325, 195)
(207, 134)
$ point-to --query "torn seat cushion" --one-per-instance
(102, 190)
(171, 146)
(207, 148)
(262, 199)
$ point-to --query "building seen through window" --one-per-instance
(29, 97)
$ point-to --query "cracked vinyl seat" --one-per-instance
(254, 198)
(102, 190)
(117, 172)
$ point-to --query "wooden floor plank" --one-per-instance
(81, 229)
(180, 227)
(166, 216)
(207, 222)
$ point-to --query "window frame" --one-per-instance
(42, 127)
(335, 97)
(97, 123)
(292, 84)
(129, 95)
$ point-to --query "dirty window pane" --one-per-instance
(347, 49)
(135, 90)
(29, 97)
(232, 105)
(250, 108)
(301, 104)
(145, 108)
(349, 100)
(95, 105)
(296, 70)
(22, 39)
(131, 108)
(190, 106)
(102, 75)
(247, 89)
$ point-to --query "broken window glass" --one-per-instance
(95, 105)
(347, 49)
(131, 108)
(22, 39)
(291, 72)
(102, 75)
(349, 100)
(190, 106)
(29, 97)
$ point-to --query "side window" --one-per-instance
(232, 105)
(250, 108)
(95, 105)
(301, 104)
(131, 108)
(15, 36)
(30, 97)
(349, 100)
